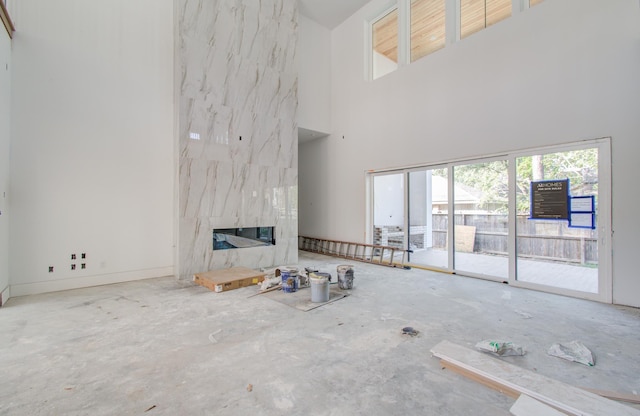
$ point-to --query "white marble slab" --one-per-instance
(238, 147)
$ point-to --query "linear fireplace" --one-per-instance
(227, 238)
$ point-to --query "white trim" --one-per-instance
(450, 25)
(451, 219)
(404, 33)
(368, 28)
(35, 288)
(605, 221)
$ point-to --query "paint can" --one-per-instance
(290, 282)
(319, 287)
(345, 276)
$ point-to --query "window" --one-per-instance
(427, 27)
(408, 30)
(476, 15)
(384, 36)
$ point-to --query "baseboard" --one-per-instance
(5, 295)
(25, 289)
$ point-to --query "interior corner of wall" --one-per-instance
(5, 294)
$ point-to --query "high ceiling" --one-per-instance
(329, 13)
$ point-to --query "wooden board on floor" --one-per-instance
(526, 406)
(228, 279)
(614, 395)
(569, 399)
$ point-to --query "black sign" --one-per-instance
(550, 200)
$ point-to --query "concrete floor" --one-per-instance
(173, 348)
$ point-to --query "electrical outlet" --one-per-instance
(73, 257)
(83, 266)
(50, 269)
(73, 266)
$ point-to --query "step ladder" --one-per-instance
(368, 253)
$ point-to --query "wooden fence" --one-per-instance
(541, 239)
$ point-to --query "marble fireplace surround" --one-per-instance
(236, 72)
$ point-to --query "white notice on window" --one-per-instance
(582, 204)
(582, 220)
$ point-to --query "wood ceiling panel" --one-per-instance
(385, 36)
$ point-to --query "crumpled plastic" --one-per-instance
(574, 351)
(502, 348)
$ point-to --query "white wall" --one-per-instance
(559, 72)
(314, 82)
(92, 161)
(5, 124)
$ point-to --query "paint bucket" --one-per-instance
(345, 276)
(290, 282)
(319, 287)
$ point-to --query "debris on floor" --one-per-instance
(525, 315)
(270, 281)
(212, 337)
(574, 351)
(408, 330)
(502, 348)
(250, 388)
(513, 381)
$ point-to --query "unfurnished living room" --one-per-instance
(319, 207)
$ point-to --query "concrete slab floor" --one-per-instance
(168, 347)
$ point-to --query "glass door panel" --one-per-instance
(388, 211)
(481, 215)
(428, 217)
(549, 252)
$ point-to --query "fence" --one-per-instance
(541, 239)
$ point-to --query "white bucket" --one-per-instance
(319, 289)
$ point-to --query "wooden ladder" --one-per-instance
(368, 253)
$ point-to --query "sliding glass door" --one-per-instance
(389, 210)
(560, 252)
(481, 208)
(539, 219)
(428, 218)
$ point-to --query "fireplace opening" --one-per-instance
(227, 238)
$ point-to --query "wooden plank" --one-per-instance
(569, 399)
(614, 395)
(482, 380)
(465, 238)
(526, 406)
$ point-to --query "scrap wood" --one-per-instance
(271, 289)
(526, 406)
(482, 380)
(614, 395)
(566, 398)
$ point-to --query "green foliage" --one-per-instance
(579, 166)
(490, 180)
